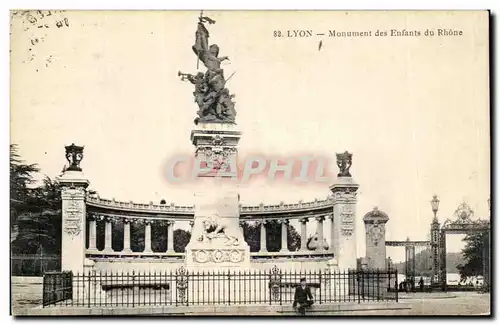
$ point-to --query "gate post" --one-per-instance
(486, 261)
(435, 251)
(442, 262)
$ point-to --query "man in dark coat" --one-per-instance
(303, 297)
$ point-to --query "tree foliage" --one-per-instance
(21, 176)
(35, 212)
(473, 255)
(251, 231)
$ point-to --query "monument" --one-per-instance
(375, 221)
(217, 241)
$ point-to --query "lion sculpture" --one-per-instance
(313, 243)
(216, 227)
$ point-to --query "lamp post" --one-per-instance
(435, 241)
(435, 205)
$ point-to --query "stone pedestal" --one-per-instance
(344, 232)
(217, 241)
(73, 194)
(216, 150)
(375, 239)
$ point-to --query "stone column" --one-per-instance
(263, 241)
(170, 236)
(147, 236)
(344, 208)
(108, 233)
(284, 235)
(73, 193)
(303, 233)
(376, 256)
(92, 233)
(333, 233)
(319, 228)
(126, 235)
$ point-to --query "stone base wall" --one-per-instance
(137, 265)
(158, 265)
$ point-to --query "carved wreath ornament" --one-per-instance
(218, 255)
(376, 232)
(216, 158)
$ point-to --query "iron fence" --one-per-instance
(265, 287)
(57, 287)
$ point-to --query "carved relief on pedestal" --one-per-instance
(345, 195)
(216, 158)
(347, 221)
(73, 214)
(376, 231)
(72, 192)
(218, 255)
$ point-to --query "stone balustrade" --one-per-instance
(179, 210)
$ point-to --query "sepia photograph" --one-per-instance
(250, 163)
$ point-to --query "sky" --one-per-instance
(414, 111)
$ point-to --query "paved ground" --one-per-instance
(464, 303)
(26, 292)
(29, 295)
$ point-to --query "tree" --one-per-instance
(473, 255)
(35, 212)
(251, 231)
(39, 220)
(21, 175)
(181, 239)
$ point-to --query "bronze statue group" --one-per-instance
(211, 95)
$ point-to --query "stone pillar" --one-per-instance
(73, 193)
(319, 228)
(263, 241)
(344, 209)
(147, 236)
(126, 235)
(170, 236)
(333, 233)
(216, 169)
(303, 233)
(435, 251)
(284, 235)
(92, 233)
(108, 233)
(442, 259)
(376, 256)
